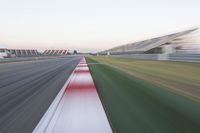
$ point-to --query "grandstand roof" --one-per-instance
(149, 44)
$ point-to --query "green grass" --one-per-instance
(134, 105)
(183, 78)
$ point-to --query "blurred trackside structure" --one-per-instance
(10, 53)
(180, 42)
(6, 53)
(55, 52)
(23, 52)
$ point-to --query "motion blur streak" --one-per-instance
(28, 88)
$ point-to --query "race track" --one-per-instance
(28, 88)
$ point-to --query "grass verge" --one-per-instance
(135, 105)
(183, 78)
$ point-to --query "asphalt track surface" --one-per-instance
(27, 90)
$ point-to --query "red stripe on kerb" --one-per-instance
(81, 71)
(80, 87)
(82, 79)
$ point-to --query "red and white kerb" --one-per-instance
(80, 109)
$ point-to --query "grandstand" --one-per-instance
(23, 52)
(178, 42)
(6, 53)
(3, 52)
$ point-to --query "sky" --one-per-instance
(91, 25)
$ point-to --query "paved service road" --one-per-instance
(27, 90)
